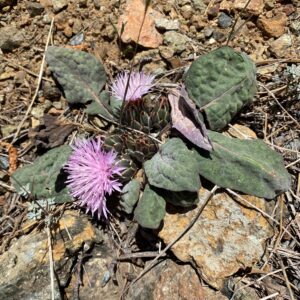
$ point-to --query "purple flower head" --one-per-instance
(139, 85)
(92, 174)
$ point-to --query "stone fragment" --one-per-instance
(166, 24)
(50, 91)
(274, 26)
(10, 38)
(288, 9)
(156, 67)
(241, 291)
(199, 5)
(168, 280)
(281, 46)
(34, 8)
(295, 27)
(219, 242)
(24, 267)
(68, 32)
(96, 278)
(166, 52)
(187, 12)
(224, 20)
(264, 70)
(37, 111)
(46, 3)
(208, 31)
(270, 4)
(213, 11)
(176, 41)
(59, 5)
(47, 19)
(219, 36)
(225, 5)
(255, 7)
(131, 22)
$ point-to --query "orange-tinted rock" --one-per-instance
(274, 26)
(170, 281)
(132, 19)
(255, 7)
(24, 267)
(220, 240)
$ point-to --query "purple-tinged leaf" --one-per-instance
(186, 120)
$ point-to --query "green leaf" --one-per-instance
(94, 108)
(248, 166)
(221, 83)
(183, 199)
(130, 195)
(45, 178)
(174, 167)
(150, 210)
(81, 76)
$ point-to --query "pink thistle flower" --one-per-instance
(92, 174)
(139, 85)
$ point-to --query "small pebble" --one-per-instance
(224, 20)
(34, 9)
(219, 36)
(208, 31)
(46, 19)
(213, 11)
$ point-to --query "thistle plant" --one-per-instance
(92, 175)
(217, 85)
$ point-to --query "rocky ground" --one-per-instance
(254, 255)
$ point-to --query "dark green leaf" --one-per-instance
(183, 199)
(221, 83)
(248, 166)
(45, 178)
(81, 76)
(174, 167)
(150, 209)
(130, 195)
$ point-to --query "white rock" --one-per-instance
(167, 24)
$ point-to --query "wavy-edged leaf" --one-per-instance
(174, 167)
(81, 76)
(130, 195)
(45, 178)
(248, 166)
(150, 210)
(221, 83)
